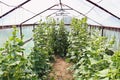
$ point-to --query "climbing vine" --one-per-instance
(13, 65)
(91, 54)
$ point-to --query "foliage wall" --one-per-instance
(89, 52)
(91, 55)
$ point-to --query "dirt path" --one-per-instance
(60, 71)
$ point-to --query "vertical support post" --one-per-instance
(34, 26)
(61, 4)
(90, 29)
(21, 32)
(21, 35)
(102, 31)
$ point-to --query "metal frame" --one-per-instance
(34, 17)
(61, 8)
(103, 9)
(35, 24)
(14, 8)
(50, 8)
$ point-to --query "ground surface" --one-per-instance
(60, 70)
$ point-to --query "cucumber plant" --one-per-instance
(78, 39)
(41, 51)
(49, 40)
(87, 51)
(14, 66)
(61, 40)
(114, 71)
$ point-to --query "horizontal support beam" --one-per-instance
(27, 25)
(3, 52)
(17, 25)
(61, 9)
(27, 40)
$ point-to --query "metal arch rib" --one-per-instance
(14, 8)
(103, 9)
(83, 14)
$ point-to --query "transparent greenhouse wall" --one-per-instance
(27, 32)
(28, 47)
(95, 29)
(4, 35)
(110, 34)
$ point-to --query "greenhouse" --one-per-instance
(59, 40)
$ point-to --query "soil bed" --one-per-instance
(60, 70)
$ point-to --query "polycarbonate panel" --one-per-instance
(27, 32)
(16, 17)
(94, 14)
(3, 9)
(103, 18)
(6, 33)
(111, 34)
(28, 47)
(26, 11)
(111, 5)
(7, 5)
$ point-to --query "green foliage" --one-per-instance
(114, 71)
(58, 38)
(78, 39)
(48, 40)
(116, 59)
(41, 51)
(14, 66)
(53, 39)
(61, 44)
(91, 54)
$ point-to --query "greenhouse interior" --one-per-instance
(59, 40)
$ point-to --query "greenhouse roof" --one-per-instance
(102, 12)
